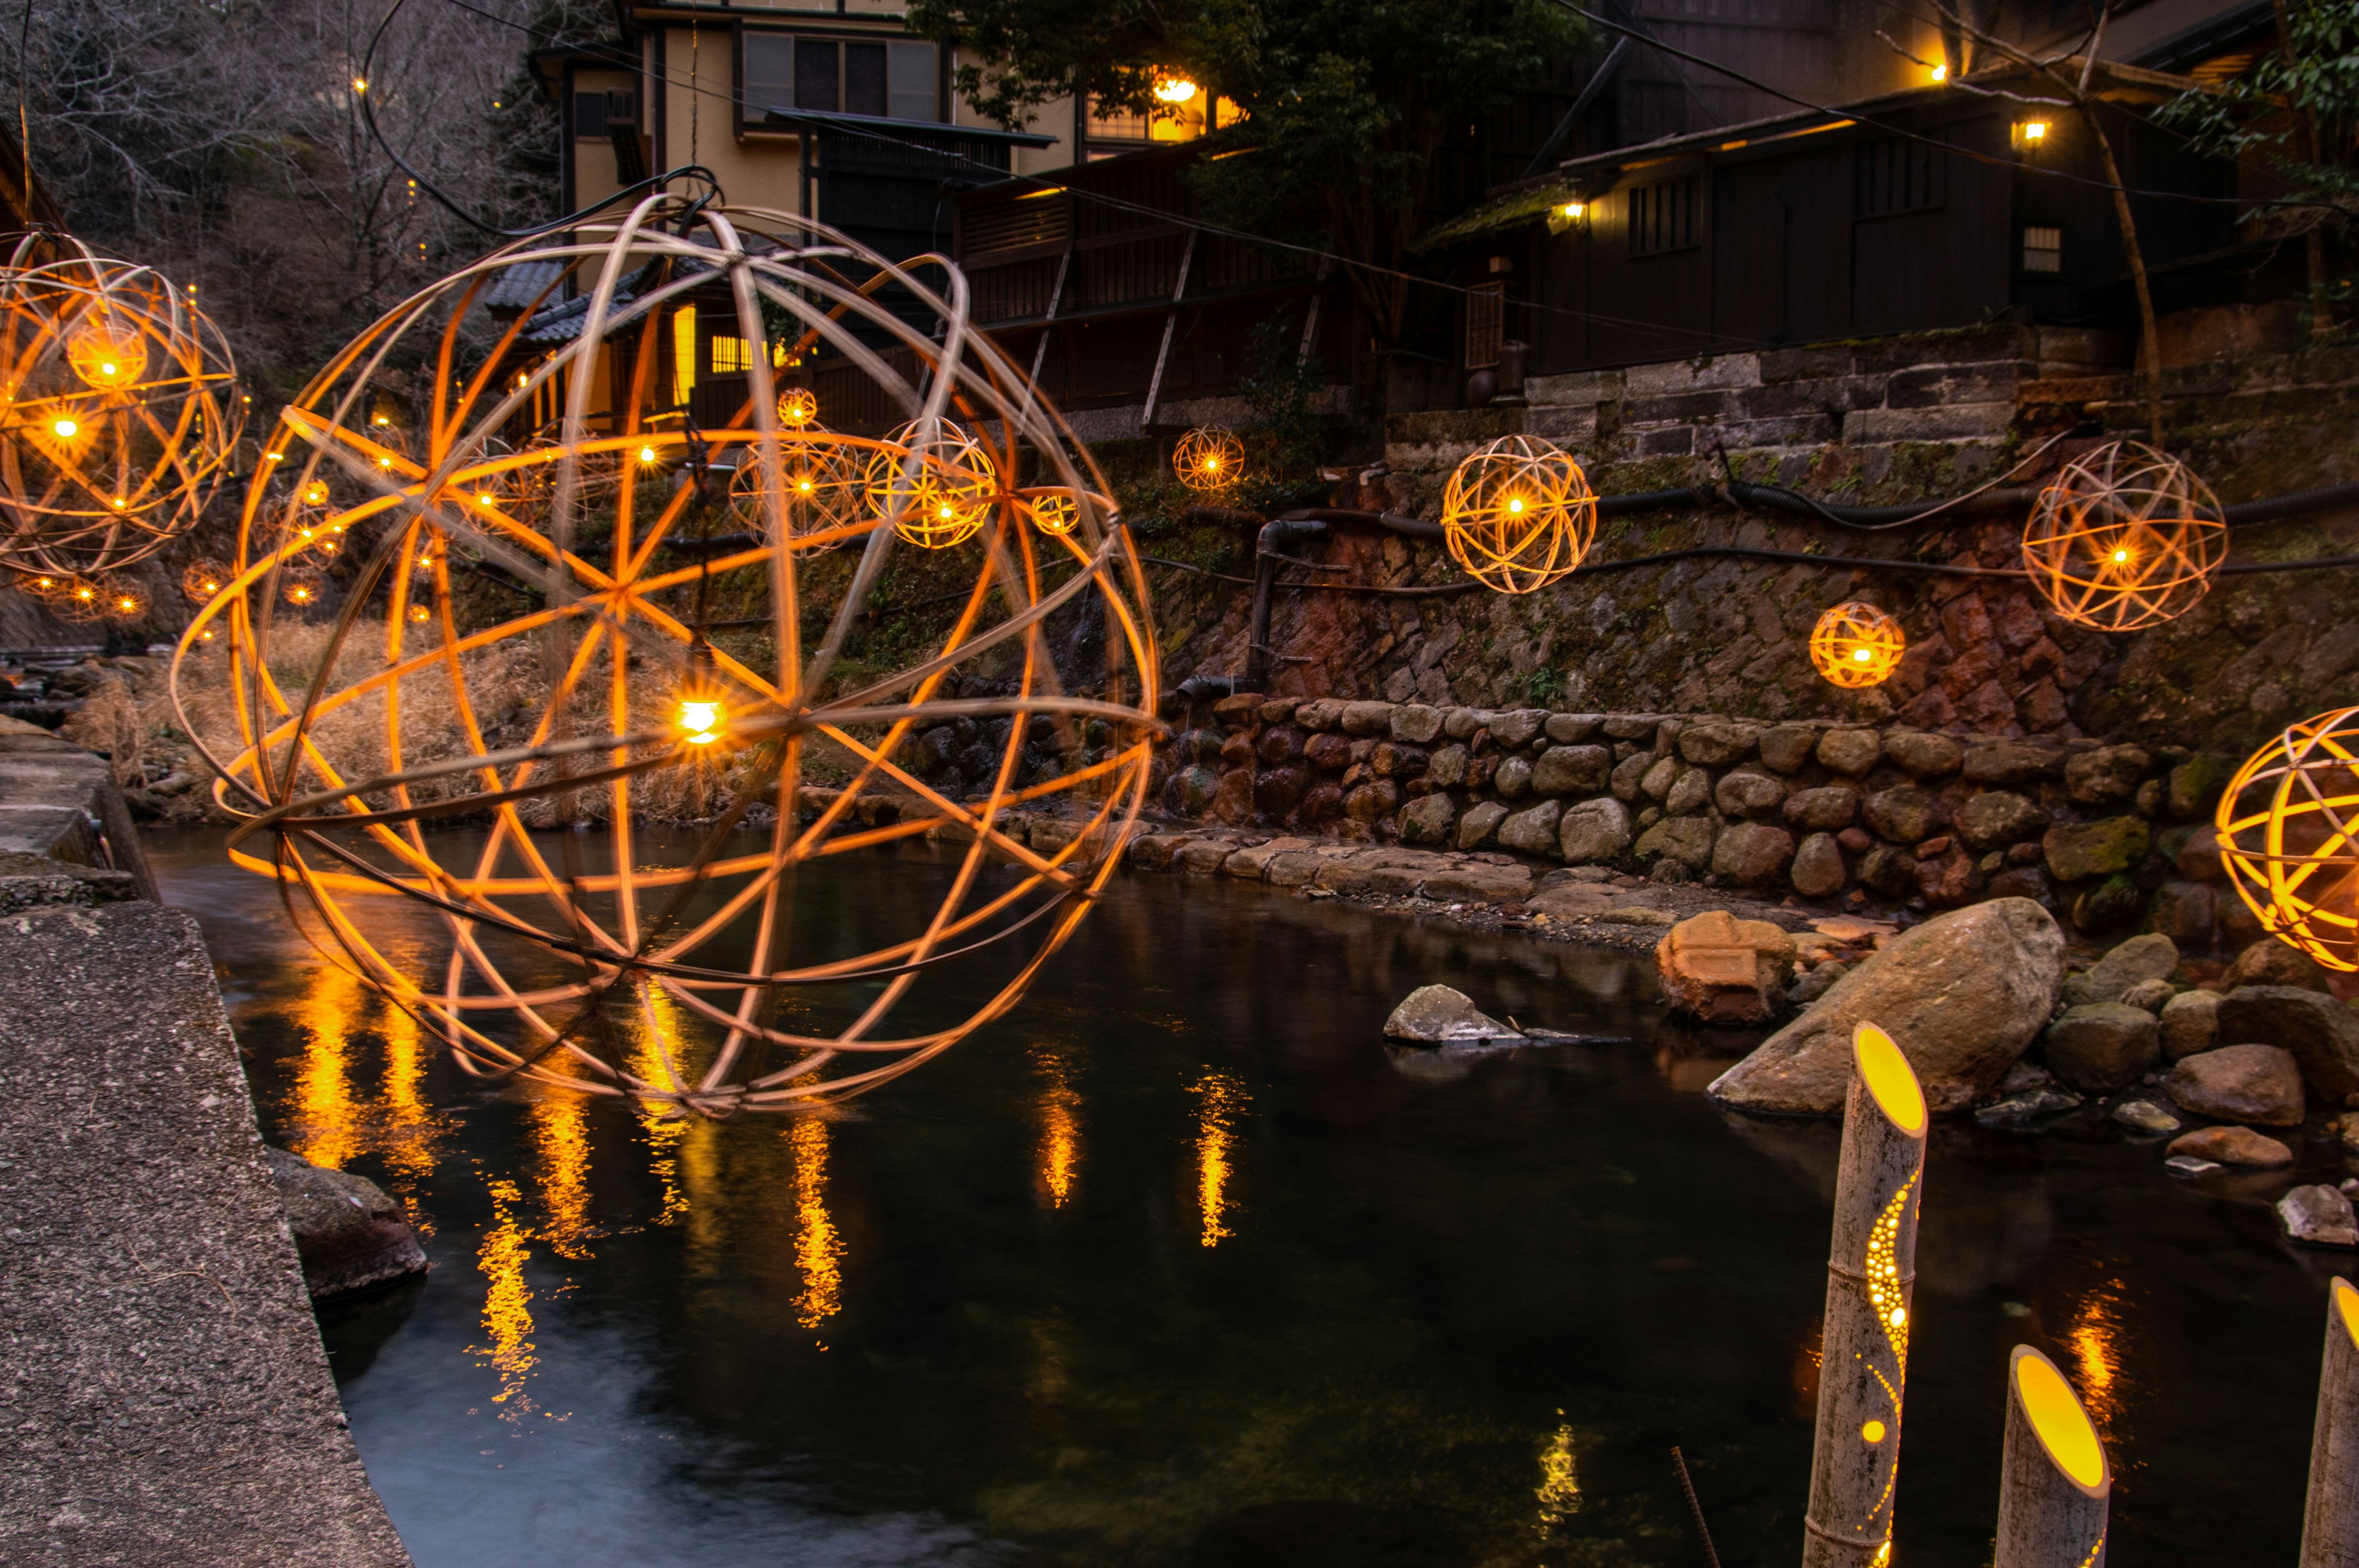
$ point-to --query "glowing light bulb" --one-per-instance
(315, 494)
(946, 509)
(647, 454)
(104, 358)
(1865, 656)
(359, 85)
(702, 720)
(1175, 89)
(385, 462)
(2121, 556)
(804, 485)
(1940, 73)
(121, 502)
(66, 429)
(419, 612)
(2035, 130)
(1572, 209)
(1516, 504)
(127, 604)
(1211, 460)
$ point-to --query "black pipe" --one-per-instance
(2300, 501)
(1279, 531)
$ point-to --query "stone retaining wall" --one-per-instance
(1865, 818)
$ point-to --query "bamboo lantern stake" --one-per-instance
(1871, 1285)
(2288, 832)
(2330, 1526)
(2055, 1483)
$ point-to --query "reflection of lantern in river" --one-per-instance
(1518, 514)
(2125, 537)
(613, 686)
(2288, 831)
(121, 417)
(1855, 644)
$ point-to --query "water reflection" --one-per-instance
(507, 1303)
(1059, 1153)
(651, 1059)
(1221, 1098)
(2095, 1339)
(561, 1140)
(1559, 1493)
(818, 1247)
(327, 1118)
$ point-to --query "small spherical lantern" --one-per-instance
(1518, 514)
(303, 588)
(79, 599)
(797, 407)
(2125, 537)
(1054, 513)
(1855, 644)
(202, 579)
(120, 414)
(933, 482)
(655, 667)
(124, 600)
(820, 488)
(2288, 832)
(1209, 458)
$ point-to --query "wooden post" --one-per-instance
(2330, 1526)
(1871, 1280)
(2055, 1484)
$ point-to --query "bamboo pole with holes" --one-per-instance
(2330, 1526)
(1871, 1277)
(2055, 1483)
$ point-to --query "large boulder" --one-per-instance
(2100, 1047)
(2323, 1034)
(1724, 969)
(1963, 994)
(2148, 957)
(348, 1232)
(2257, 1084)
(1437, 1015)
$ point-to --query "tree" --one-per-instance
(1345, 103)
(2296, 113)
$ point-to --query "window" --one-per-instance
(683, 353)
(728, 356)
(590, 116)
(1664, 217)
(2043, 249)
(1486, 320)
(838, 76)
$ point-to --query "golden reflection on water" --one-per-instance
(659, 1022)
(1059, 1154)
(1559, 1493)
(327, 1117)
(560, 1136)
(818, 1247)
(2095, 1339)
(507, 1302)
(408, 1142)
(1220, 1100)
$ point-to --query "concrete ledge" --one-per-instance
(59, 801)
(165, 1395)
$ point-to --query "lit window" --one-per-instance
(683, 353)
(2043, 249)
(729, 357)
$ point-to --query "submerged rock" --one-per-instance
(348, 1232)
(2146, 1116)
(2026, 1108)
(1437, 1015)
(2239, 1146)
(2323, 1034)
(2100, 1046)
(2318, 1217)
(1963, 994)
(2188, 1165)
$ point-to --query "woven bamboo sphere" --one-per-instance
(121, 412)
(822, 485)
(1209, 458)
(1855, 644)
(203, 577)
(797, 407)
(2286, 825)
(589, 666)
(2125, 537)
(1054, 512)
(1518, 514)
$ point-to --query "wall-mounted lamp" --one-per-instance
(1565, 214)
(2030, 136)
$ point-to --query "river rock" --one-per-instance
(1365, 719)
(2149, 996)
(1514, 779)
(1711, 743)
(1429, 819)
(1748, 792)
(2323, 1034)
(1725, 970)
(1903, 815)
(2099, 1047)
(1437, 1015)
(1417, 724)
(1826, 810)
(1963, 994)
(2079, 851)
(2106, 774)
(348, 1232)
(1922, 755)
(1572, 770)
(1479, 825)
(1684, 839)
(1818, 868)
(1516, 728)
(2020, 1110)
(2149, 957)
(2318, 1217)
(2257, 1084)
(1752, 854)
(1691, 792)
(1594, 830)
(2269, 962)
(2238, 1146)
(2190, 1022)
(1628, 779)
(1786, 747)
(2146, 1116)
(1998, 818)
(1850, 753)
(1816, 984)
(1533, 831)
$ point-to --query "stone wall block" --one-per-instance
(1850, 753)
(1533, 831)
(1715, 743)
(1902, 815)
(1828, 809)
(1367, 718)
(1786, 748)
(1748, 792)
(1417, 724)
(1752, 854)
(1572, 770)
(1921, 755)
(1594, 832)
(1628, 778)
(1818, 869)
(1571, 729)
(2077, 851)
(1519, 728)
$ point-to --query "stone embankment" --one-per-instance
(167, 1399)
(1858, 818)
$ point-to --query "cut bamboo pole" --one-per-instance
(2056, 1484)
(1871, 1281)
(2330, 1526)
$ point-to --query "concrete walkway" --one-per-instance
(164, 1397)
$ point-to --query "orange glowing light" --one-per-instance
(1855, 644)
(1220, 1098)
(2057, 1419)
(1209, 458)
(702, 720)
(818, 1245)
(2123, 538)
(1518, 514)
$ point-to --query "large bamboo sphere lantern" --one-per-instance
(2125, 537)
(552, 681)
(1209, 458)
(1855, 644)
(120, 417)
(1518, 514)
(2288, 831)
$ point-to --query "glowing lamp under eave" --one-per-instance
(1175, 89)
(702, 720)
(647, 454)
(1940, 73)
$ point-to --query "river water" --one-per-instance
(1177, 1265)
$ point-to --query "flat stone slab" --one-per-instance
(164, 1393)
